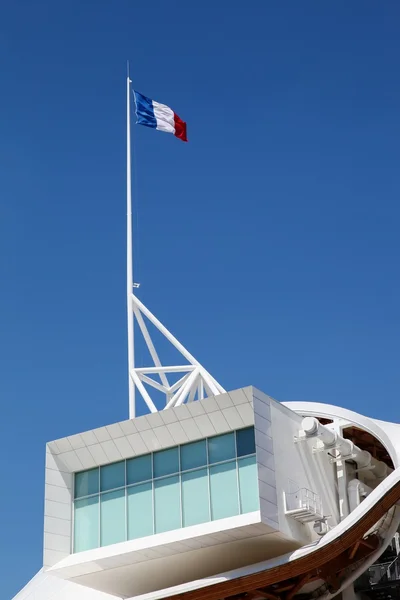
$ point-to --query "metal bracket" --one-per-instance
(369, 468)
(299, 438)
(302, 437)
(342, 457)
(326, 449)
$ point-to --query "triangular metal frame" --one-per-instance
(195, 383)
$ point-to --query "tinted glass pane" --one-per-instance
(138, 469)
(167, 506)
(140, 511)
(224, 491)
(248, 484)
(193, 455)
(112, 518)
(245, 441)
(195, 498)
(112, 476)
(86, 524)
(166, 462)
(221, 447)
(86, 483)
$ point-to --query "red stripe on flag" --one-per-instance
(180, 128)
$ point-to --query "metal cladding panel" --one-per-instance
(265, 459)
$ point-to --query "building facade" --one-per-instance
(234, 495)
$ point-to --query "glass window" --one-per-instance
(112, 518)
(86, 524)
(221, 447)
(140, 510)
(166, 462)
(112, 476)
(224, 491)
(186, 485)
(138, 469)
(195, 498)
(167, 506)
(248, 484)
(86, 483)
(245, 441)
(193, 455)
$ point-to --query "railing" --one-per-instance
(379, 575)
(303, 505)
(392, 572)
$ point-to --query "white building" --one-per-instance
(235, 494)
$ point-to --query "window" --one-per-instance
(112, 476)
(186, 485)
(112, 517)
(245, 441)
(140, 510)
(221, 447)
(167, 507)
(224, 490)
(86, 483)
(166, 462)
(248, 484)
(195, 498)
(193, 455)
(86, 524)
(139, 469)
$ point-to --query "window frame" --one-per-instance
(207, 466)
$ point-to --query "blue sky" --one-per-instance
(268, 244)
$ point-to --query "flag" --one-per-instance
(159, 116)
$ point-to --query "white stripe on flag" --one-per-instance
(164, 117)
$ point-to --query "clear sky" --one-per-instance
(269, 244)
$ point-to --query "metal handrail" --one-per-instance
(380, 574)
(389, 575)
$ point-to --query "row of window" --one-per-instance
(208, 493)
(194, 455)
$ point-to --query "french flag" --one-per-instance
(159, 116)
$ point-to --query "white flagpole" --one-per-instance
(129, 252)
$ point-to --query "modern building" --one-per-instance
(231, 496)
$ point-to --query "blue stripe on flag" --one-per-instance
(144, 110)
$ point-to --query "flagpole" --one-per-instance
(129, 253)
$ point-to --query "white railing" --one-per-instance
(303, 505)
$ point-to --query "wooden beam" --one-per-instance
(333, 582)
(262, 594)
(368, 544)
(353, 550)
(283, 588)
(297, 587)
(267, 595)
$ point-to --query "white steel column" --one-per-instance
(129, 254)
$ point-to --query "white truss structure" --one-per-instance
(195, 382)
